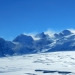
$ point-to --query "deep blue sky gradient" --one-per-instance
(19, 16)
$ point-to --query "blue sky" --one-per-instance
(19, 16)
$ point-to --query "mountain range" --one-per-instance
(26, 44)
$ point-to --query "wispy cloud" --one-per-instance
(50, 32)
(72, 30)
(32, 34)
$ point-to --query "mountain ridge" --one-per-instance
(25, 44)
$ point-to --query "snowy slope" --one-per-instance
(54, 63)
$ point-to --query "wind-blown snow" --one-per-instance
(32, 35)
(50, 33)
(56, 63)
(47, 41)
(72, 30)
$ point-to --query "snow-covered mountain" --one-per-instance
(63, 33)
(5, 48)
(26, 44)
(65, 40)
(24, 39)
(42, 35)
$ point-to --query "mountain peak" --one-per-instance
(66, 32)
(24, 39)
(63, 33)
(42, 35)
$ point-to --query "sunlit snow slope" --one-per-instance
(54, 63)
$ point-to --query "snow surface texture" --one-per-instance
(53, 63)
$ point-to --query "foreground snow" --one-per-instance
(56, 63)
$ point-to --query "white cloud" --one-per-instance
(50, 32)
(32, 34)
(72, 30)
